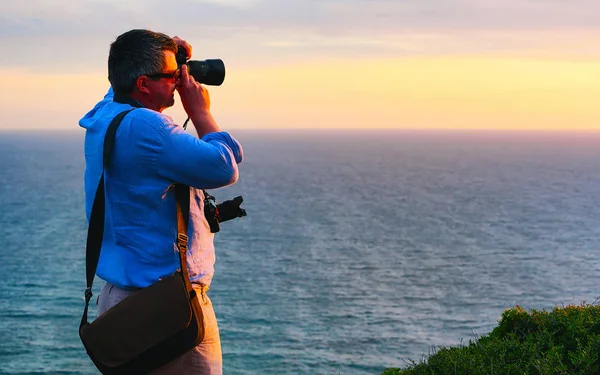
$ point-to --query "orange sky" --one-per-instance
(464, 92)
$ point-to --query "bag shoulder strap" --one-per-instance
(96, 225)
(182, 202)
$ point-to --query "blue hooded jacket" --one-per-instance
(150, 154)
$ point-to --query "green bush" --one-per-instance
(563, 341)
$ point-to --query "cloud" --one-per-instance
(94, 17)
(243, 4)
(46, 35)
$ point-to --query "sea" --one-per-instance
(361, 249)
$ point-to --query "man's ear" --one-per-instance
(142, 84)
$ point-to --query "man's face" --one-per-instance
(163, 88)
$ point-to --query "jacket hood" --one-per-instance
(88, 121)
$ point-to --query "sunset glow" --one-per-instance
(412, 93)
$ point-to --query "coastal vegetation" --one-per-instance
(565, 340)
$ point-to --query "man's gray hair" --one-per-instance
(134, 54)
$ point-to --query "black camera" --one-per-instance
(218, 213)
(209, 72)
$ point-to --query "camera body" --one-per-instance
(218, 213)
(209, 72)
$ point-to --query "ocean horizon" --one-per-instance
(361, 250)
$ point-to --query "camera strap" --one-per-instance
(96, 224)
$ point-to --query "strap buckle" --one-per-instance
(182, 238)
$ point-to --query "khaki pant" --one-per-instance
(204, 359)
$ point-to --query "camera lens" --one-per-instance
(209, 72)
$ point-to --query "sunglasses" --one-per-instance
(168, 75)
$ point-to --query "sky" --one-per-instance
(310, 64)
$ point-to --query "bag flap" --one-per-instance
(139, 322)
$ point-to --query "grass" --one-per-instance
(565, 340)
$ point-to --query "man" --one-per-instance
(150, 154)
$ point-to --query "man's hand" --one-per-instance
(185, 45)
(194, 96)
(196, 103)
